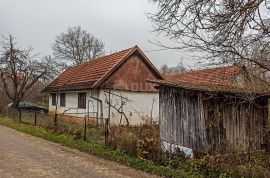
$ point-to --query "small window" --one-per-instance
(82, 100)
(54, 99)
(63, 99)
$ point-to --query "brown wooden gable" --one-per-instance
(133, 74)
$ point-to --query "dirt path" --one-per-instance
(22, 155)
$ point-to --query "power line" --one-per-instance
(157, 50)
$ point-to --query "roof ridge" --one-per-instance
(112, 54)
(206, 69)
(98, 58)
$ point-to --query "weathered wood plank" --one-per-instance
(192, 119)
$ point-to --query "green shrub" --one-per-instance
(209, 165)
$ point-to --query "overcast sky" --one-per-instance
(119, 24)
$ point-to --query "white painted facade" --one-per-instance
(139, 107)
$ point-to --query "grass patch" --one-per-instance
(98, 149)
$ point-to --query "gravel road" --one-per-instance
(22, 155)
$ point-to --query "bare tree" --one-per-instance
(119, 107)
(221, 31)
(224, 31)
(77, 46)
(20, 70)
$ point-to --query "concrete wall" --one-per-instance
(138, 107)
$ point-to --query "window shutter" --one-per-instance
(54, 99)
(82, 100)
(63, 99)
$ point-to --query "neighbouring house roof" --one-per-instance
(93, 73)
(232, 78)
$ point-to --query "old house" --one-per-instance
(215, 109)
(117, 80)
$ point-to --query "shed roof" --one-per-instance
(91, 74)
(221, 76)
(220, 79)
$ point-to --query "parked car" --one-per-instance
(30, 106)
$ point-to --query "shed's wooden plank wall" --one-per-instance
(195, 120)
(235, 125)
(181, 118)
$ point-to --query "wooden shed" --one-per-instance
(216, 109)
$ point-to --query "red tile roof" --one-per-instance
(221, 79)
(222, 76)
(91, 74)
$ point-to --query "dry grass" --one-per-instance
(142, 141)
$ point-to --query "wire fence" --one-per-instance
(86, 128)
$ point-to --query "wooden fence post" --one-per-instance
(55, 119)
(106, 131)
(107, 121)
(20, 115)
(97, 119)
(84, 134)
(55, 114)
(35, 118)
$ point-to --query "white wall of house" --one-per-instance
(71, 106)
(138, 107)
